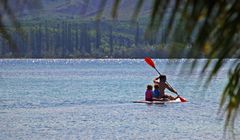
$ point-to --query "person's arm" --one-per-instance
(156, 80)
(171, 89)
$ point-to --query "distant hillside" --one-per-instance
(79, 8)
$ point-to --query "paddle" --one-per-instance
(149, 61)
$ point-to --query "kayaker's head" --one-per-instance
(156, 86)
(149, 87)
(163, 78)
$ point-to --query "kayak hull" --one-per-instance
(158, 102)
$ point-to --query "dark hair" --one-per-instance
(149, 87)
(156, 86)
(163, 78)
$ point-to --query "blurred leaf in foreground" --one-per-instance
(8, 11)
(212, 29)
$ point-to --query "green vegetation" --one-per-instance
(85, 39)
(212, 30)
(201, 28)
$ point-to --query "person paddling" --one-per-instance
(162, 84)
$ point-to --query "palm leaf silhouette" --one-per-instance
(212, 28)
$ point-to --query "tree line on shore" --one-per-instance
(88, 39)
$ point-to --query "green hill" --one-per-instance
(78, 8)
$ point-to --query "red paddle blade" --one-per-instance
(182, 99)
(149, 61)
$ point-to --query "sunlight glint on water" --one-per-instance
(92, 99)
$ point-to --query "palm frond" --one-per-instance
(115, 8)
(137, 10)
(101, 9)
(212, 28)
(6, 9)
(231, 96)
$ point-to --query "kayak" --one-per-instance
(158, 102)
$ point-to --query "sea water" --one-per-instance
(92, 99)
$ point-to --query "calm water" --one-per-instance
(92, 99)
